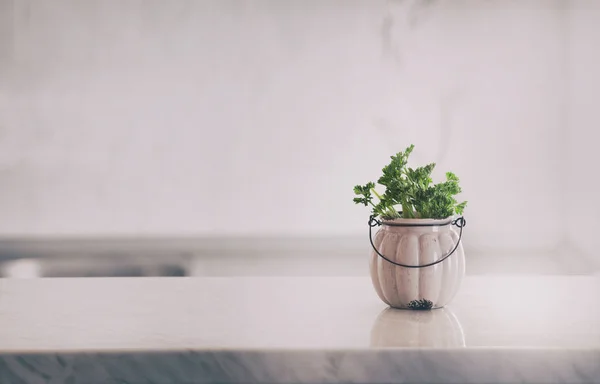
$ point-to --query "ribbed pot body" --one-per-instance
(402, 287)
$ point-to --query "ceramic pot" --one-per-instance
(417, 242)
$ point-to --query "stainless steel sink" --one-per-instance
(86, 266)
(91, 258)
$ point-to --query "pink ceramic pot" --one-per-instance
(423, 242)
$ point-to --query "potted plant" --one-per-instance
(417, 261)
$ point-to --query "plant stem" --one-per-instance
(407, 212)
(376, 194)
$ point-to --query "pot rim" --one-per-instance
(402, 222)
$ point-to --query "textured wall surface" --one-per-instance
(234, 117)
(582, 181)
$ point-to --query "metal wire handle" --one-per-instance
(460, 222)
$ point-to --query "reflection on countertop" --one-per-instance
(425, 329)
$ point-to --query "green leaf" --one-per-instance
(460, 208)
(451, 177)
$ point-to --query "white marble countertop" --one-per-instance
(295, 329)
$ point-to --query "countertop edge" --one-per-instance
(389, 365)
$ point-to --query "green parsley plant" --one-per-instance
(412, 190)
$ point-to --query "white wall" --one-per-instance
(582, 179)
(258, 117)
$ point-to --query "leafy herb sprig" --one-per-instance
(412, 190)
